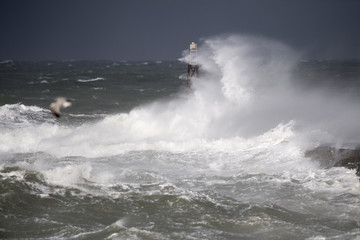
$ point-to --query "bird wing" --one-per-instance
(55, 109)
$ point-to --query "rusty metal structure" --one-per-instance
(193, 67)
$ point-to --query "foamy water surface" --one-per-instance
(224, 162)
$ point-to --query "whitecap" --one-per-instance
(91, 80)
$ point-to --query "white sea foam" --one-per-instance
(19, 175)
(245, 116)
(91, 80)
(240, 138)
(243, 98)
(16, 115)
(68, 175)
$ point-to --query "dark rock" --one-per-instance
(332, 157)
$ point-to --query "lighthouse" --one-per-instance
(193, 67)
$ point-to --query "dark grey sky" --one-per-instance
(161, 29)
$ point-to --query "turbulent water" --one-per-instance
(136, 157)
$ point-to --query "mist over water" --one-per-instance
(249, 87)
(245, 89)
(225, 161)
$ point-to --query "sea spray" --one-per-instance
(246, 88)
(249, 86)
(226, 162)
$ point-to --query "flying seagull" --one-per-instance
(61, 102)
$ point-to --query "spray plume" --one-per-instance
(246, 92)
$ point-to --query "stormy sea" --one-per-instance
(139, 156)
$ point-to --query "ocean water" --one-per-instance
(137, 157)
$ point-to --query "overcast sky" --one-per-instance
(162, 29)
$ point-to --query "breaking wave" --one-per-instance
(245, 98)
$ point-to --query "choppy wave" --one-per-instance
(224, 162)
(202, 193)
(20, 115)
(245, 94)
(91, 80)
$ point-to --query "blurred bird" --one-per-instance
(61, 102)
